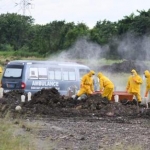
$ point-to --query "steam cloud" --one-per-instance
(81, 50)
(129, 47)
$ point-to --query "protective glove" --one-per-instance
(146, 94)
(135, 80)
(101, 90)
(81, 85)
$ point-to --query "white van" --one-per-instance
(32, 76)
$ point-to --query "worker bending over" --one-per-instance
(106, 86)
(134, 85)
(86, 86)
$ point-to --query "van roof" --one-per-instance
(64, 63)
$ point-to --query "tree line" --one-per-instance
(19, 33)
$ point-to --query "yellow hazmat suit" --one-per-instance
(1, 70)
(87, 86)
(106, 86)
(147, 76)
(134, 85)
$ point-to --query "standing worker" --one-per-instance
(147, 76)
(134, 85)
(86, 86)
(1, 71)
(106, 86)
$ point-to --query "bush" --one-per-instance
(6, 47)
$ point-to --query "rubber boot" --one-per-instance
(139, 103)
(76, 97)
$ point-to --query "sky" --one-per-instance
(77, 11)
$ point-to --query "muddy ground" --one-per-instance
(92, 123)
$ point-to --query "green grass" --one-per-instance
(11, 141)
(18, 54)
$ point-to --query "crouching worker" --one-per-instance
(86, 86)
(134, 85)
(106, 86)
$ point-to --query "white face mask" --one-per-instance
(132, 74)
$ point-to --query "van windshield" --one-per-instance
(13, 71)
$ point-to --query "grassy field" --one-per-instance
(13, 137)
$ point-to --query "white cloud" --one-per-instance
(86, 11)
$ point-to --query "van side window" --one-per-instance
(69, 74)
(54, 74)
(82, 72)
(33, 73)
(38, 73)
(42, 73)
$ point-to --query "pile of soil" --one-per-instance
(125, 67)
(49, 102)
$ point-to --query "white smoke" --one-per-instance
(129, 47)
(133, 47)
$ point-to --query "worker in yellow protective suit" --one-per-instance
(147, 76)
(134, 85)
(1, 71)
(106, 86)
(86, 86)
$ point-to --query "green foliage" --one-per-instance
(6, 47)
(125, 24)
(14, 29)
(103, 32)
(141, 24)
(21, 37)
(19, 54)
(80, 30)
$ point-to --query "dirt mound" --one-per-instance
(125, 66)
(49, 102)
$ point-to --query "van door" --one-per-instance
(12, 77)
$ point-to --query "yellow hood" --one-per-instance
(100, 75)
(91, 73)
(134, 72)
(146, 73)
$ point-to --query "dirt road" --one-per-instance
(91, 133)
